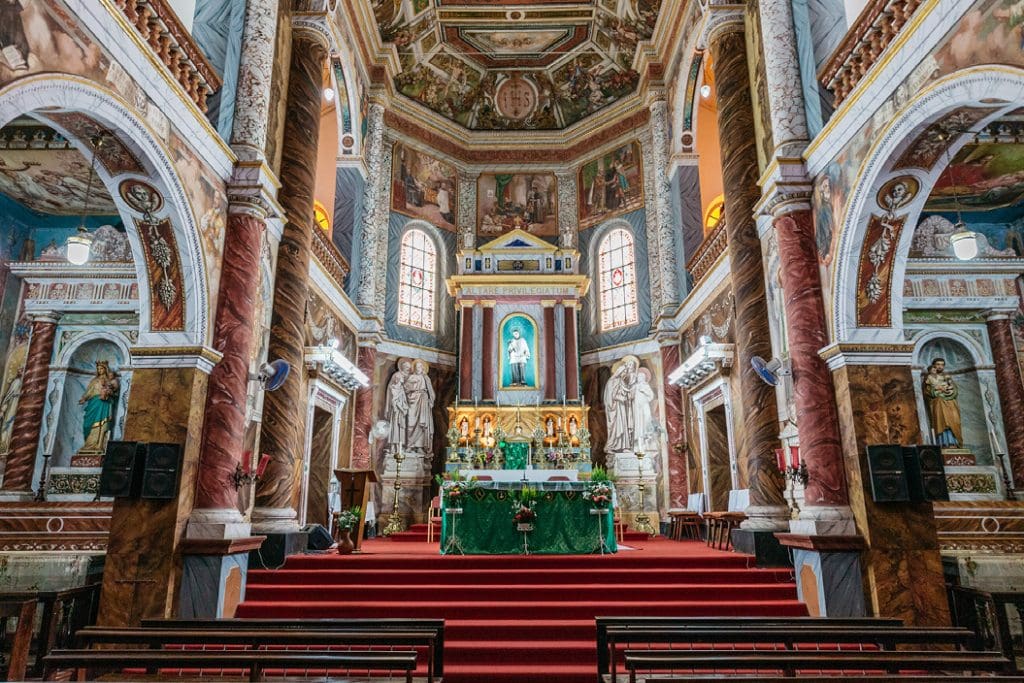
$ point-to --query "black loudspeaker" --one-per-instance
(163, 462)
(888, 473)
(122, 467)
(319, 537)
(926, 473)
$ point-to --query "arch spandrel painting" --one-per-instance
(518, 349)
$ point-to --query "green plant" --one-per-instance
(601, 474)
(348, 519)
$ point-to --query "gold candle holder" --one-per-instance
(642, 522)
(395, 523)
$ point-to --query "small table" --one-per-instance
(564, 526)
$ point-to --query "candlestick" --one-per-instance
(780, 459)
(262, 467)
(794, 457)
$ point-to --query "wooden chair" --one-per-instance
(433, 513)
(620, 528)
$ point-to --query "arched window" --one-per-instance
(714, 214)
(617, 278)
(416, 281)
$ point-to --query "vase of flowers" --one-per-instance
(524, 514)
(344, 522)
(599, 493)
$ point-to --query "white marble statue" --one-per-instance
(643, 418)
(618, 406)
(419, 392)
(397, 410)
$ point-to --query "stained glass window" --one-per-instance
(416, 281)
(617, 271)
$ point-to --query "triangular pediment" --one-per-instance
(518, 241)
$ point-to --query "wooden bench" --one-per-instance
(436, 626)
(88, 662)
(210, 640)
(21, 642)
(604, 652)
(883, 678)
(788, 662)
(62, 613)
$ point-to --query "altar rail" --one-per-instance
(160, 27)
(876, 27)
(987, 615)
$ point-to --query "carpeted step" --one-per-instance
(499, 594)
(474, 577)
(529, 610)
(433, 562)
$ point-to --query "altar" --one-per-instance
(481, 521)
(530, 475)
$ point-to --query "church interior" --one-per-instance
(424, 333)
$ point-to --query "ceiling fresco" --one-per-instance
(534, 65)
(42, 172)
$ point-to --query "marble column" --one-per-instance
(363, 416)
(901, 562)
(487, 351)
(768, 509)
(568, 210)
(255, 76)
(1011, 393)
(826, 503)
(283, 410)
(28, 420)
(376, 209)
(466, 216)
(466, 353)
(678, 484)
(572, 353)
(216, 508)
(782, 78)
(142, 575)
(668, 265)
(549, 351)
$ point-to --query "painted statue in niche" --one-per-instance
(610, 185)
(410, 404)
(100, 403)
(423, 187)
(518, 352)
(628, 404)
(942, 396)
(509, 201)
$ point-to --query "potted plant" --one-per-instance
(524, 516)
(344, 522)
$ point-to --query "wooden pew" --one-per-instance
(381, 625)
(788, 637)
(89, 662)
(158, 637)
(788, 662)
(63, 613)
(21, 644)
(604, 653)
(885, 678)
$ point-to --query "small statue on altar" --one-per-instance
(941, 395)
(573, 426)
(464, 428)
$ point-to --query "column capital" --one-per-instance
(548, 303)
(720, 20)
(202, 358)
(52, 317)
(488, 303)
(312, 28)
(998, 314)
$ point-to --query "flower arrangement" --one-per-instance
(347, 519)
(599, 493)
(523, 512)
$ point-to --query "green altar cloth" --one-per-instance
(564, 525)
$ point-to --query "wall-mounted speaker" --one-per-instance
(122, 469)
(163, 463)
(888, 474)
(926, 473)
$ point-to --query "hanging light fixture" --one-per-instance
(329, 94)
(79, 244)
(963, 240)
(705, 91)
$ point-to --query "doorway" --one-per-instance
(718, 463)
(321, 466)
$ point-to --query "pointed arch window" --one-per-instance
(416, 278)
(617, 279)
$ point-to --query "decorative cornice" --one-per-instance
(202, 358)
(720, 19)
(839, 355)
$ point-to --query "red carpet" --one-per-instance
(512, 618)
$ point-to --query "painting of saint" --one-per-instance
(518, 350)
(610, 185)
(423, 187)
(509, 201)
(100, 401)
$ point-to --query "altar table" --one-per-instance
(531, 476)
(564, 525)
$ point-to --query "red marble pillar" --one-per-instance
(760, 431)
(1011, 392)
(487, 352)
(817, 418)
(572, 353)
(549, 351)
(233, 335)
(363, 418)
(28, 420)
(466, 352)
(678, 478)
(284, 410)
